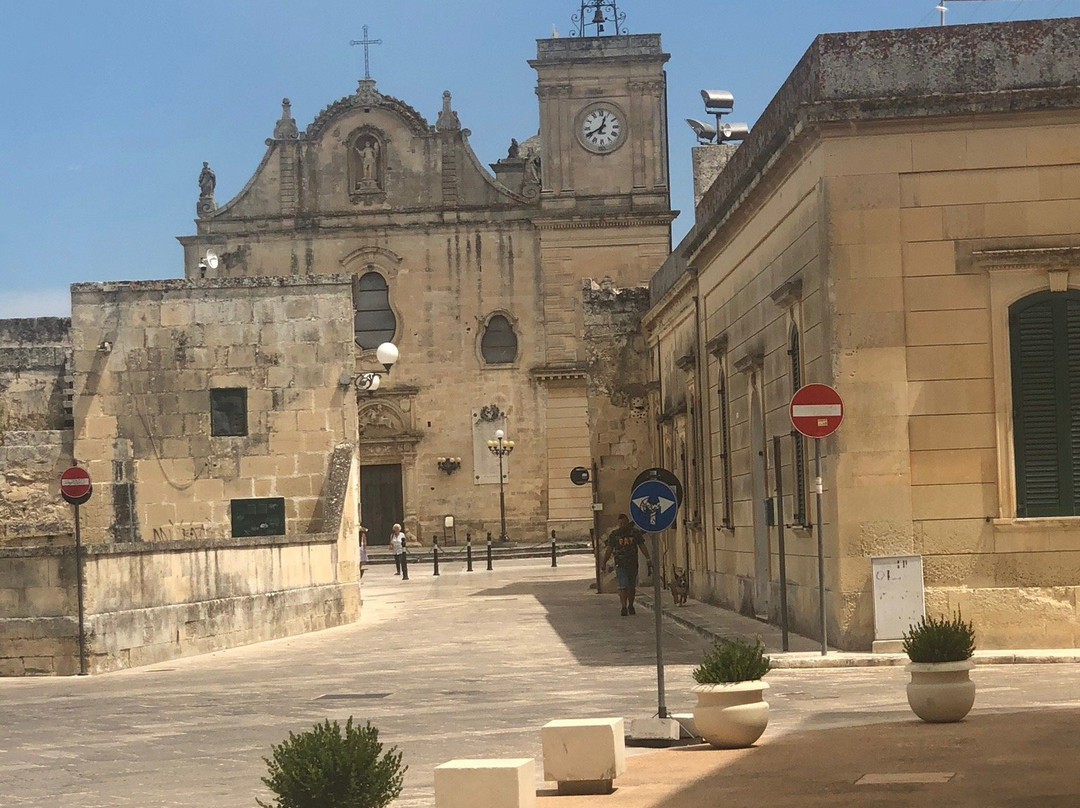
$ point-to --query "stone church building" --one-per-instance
(226, 419)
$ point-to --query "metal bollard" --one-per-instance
(554, 558)
(435, 555)
(489, 549)
(468, 552)
(404, 564)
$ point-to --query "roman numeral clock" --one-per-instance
(601, 127)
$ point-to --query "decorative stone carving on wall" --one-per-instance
(367, 165)
(489, 414)
(381, 418)
(286, 126)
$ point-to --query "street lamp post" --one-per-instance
(501, 448)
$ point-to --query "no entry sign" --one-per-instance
(75, 485)
(816, 410)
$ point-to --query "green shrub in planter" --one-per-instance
(324, 768)
(732, 661)
(940, 639)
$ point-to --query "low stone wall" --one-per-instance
(148, 603)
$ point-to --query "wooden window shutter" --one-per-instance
(1044, 336)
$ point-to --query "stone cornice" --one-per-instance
(620, 220)
(788, 294)
(1048, 258)
(717, 346)
(569, 371)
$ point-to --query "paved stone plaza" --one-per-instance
(464, 665)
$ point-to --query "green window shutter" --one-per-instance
(1073, 345)
(1045, 347)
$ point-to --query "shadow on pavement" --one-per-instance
(592, 629)
(996, 760)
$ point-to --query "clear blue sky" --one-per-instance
(109, 108)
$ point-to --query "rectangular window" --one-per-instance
(228, 411)
(258, 517)
(725, 452)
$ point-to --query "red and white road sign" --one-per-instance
(816, 410)
(74, 484)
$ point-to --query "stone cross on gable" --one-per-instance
(366, 43)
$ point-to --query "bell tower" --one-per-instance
(603, 116)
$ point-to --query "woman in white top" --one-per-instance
(397, 544)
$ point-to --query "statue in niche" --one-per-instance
(367, 154)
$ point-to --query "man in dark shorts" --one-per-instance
(625, 541)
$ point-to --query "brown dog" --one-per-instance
(680, 586)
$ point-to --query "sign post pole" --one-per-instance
(816, 411)
(818, 489)
(654, 503)
(76, 488)
(79, 590)
(658, 613)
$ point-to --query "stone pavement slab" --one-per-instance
(990, 760)
(467, 665)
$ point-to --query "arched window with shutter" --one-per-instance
(374, 322)
(499, 345)
(1044, 344)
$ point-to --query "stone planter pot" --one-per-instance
(731, 716)
(940, 692)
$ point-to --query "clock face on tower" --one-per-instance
(601, 128)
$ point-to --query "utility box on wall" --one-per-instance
(898, 599)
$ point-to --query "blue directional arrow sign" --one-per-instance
(653, 506)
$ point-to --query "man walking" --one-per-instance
(625, 541)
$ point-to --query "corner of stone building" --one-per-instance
(618, 369)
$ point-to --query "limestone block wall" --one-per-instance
(35, 445)
(759, 282)
(31, 510)
(618, 364)
(142, 401)
(957, 193)
(38, 611)
(149, 602)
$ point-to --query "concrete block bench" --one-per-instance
(584, 755)
(499, 783)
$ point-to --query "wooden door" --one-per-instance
(381, 503)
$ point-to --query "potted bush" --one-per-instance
(731, 712)
(325, 768)
(940, 651)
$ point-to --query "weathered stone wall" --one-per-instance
(149, 602)
(35, 446)
(31, 510)
(618, 362)
(143, 406)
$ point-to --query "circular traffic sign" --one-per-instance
(75, 486)
(664, 476)
(653, 506)
(816, 410)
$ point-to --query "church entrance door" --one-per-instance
(381, 503)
